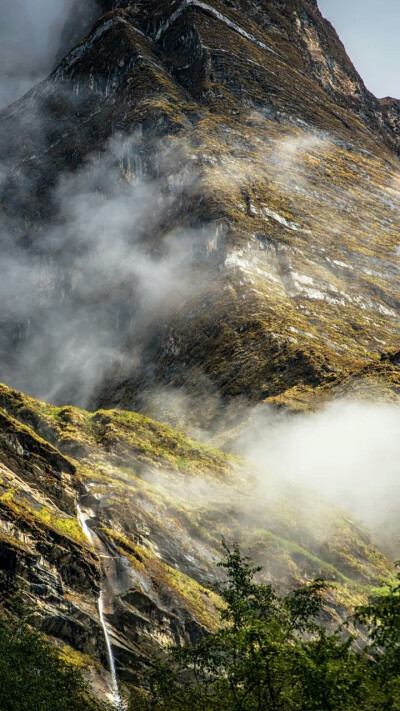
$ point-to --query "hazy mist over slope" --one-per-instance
(30, 32)
(110, 236)
(78, 331)
(348, 454)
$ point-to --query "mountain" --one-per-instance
(157, 506)
(198, 223)
(233, 152)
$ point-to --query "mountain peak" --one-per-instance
(243, 125)
(199, 232)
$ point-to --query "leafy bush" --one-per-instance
(273, 654)
(33, 677)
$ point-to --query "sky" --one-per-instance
(369, 29)
(29, 37)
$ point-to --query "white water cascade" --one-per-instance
(115, 697)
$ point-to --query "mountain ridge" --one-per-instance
(157, 505)
(264, 155)
(198, 224)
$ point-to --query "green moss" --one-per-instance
(77, 659)
(62, 524)
(200, 601)
(153, 442)
(41, 515)
(127, 435)
(187, 593)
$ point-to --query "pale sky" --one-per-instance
(29, 36)
(369, 29)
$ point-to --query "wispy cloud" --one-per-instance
(30, 35)
(100, 277)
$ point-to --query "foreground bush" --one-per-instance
(33, 677)
(272, 654)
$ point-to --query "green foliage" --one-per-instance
(33, 675)
(272, 653)
(382, 618)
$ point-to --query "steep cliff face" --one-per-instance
(157, 506)
(243, 138)
(199, 212)
(137, 560)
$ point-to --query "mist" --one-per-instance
(347, 454)
(30, 36)
(100, 278)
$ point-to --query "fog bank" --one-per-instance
(347, 454)
(30, 36)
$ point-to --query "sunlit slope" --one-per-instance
(255, 147)
(161, 505)
(307, 290)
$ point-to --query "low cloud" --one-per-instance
(30, 35)
(348, 454)
(100, 278)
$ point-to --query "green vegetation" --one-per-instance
(34, 675)
(39, 515)
(187, 594)
(125, 435)
(67, 526)
(182, 491)
(272, 653)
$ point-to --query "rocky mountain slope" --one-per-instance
(158, 506)
(253, 169)
(198, 215)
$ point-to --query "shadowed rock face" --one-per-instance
(248, 124)
(79, 22)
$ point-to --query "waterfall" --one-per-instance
(115, 697)
(85, 528)
(111, 661)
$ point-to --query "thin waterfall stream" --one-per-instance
(115, 695)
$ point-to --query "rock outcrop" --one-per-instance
(242, 124)
(157, 506)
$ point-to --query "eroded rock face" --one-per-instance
(242, 121)
(157, 506)
(244, 124)
(42, 551)
(79, 22)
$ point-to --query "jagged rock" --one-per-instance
(157, 506)
(281, 149)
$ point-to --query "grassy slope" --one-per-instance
(169, 501)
